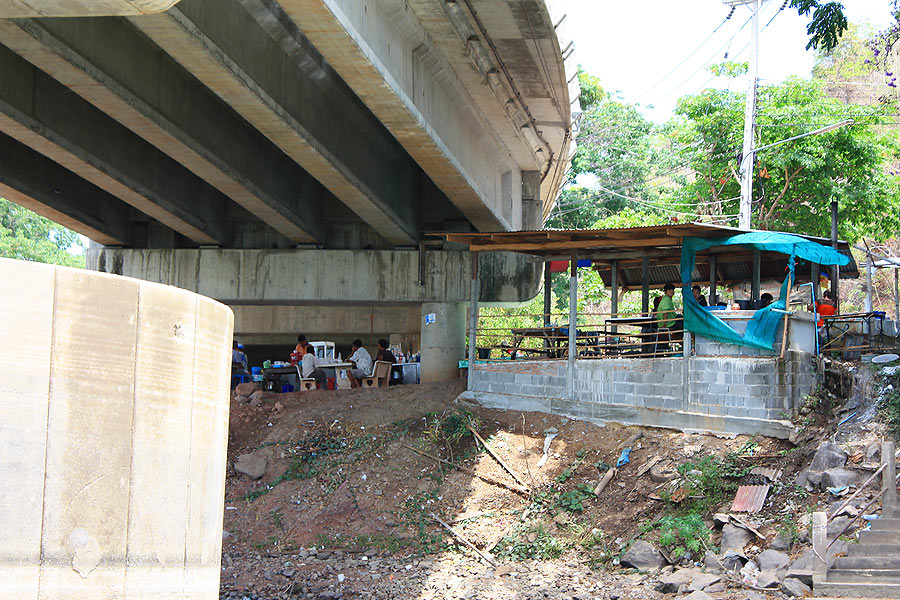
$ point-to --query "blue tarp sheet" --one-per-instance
(762, 326)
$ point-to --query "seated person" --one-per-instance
(309, 369)
(362, 363)
(824, 307)
(765, 300)
(665, 311)
(698, 296)
(238, 359)
(301, 345)
(383, 353)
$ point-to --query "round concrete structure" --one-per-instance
(113, 434)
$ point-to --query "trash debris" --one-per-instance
(610, 473)
(839, 491)
(750, 498)
(648, 465)
(846, 419)
(624, 458)
(546, 455)
(767, 472)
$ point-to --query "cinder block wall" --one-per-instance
(717, 394)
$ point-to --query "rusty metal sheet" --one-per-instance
(750, 498)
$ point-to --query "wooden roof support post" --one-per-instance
(614, 291)
(754, 282)
(573, 326)
(547, 292)
(835, 269)
(645, 285)
(713, 292)
(473, 319)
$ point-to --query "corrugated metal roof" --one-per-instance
(750, 498)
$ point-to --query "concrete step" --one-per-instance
(882, 550)
(866, 562)
(882, 536)
(886, 524)
(857, 590)
(863, 576)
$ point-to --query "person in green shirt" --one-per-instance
(666, 311)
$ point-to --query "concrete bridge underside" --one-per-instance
(259, 127)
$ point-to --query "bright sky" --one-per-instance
(633, 45)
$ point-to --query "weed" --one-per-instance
(446, 430)
(571, 500)
(570, 470)
(680, 535)
(530, 540)
(710, 480)
(788, 528)
(277, 521)
(415, 514)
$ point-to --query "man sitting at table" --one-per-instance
(310, 367)
(383, 353)
(362, 363)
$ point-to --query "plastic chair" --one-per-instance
(306, 384)
(380, 375)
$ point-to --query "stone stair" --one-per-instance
(871, 568)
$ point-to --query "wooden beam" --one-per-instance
(573, 245)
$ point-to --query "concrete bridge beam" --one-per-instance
(43, 114)
(39, 184)
(118, 70)
(14, 9)
(279, 83)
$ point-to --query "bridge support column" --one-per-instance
(443, 342)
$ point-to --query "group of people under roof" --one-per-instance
(360, 358)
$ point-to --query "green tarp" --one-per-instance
(762, 326)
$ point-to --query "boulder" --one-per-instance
(251, 465)
(771, 560)
(873, 452)
(702, 581)
(672, 583)
(711, 563)
(769, 578)
(836, 526)
(698, 595)
(733, 560)
(782, 541)
(828, 456)
(245, 389)
(642, 555)
(795, 588)
(734, 538)
(804, 563)
(837, 477)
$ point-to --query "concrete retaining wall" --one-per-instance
(113, 433)
(729, 395)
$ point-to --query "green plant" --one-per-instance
(571, 500)
(275, 516)
(570, 470)
(682, 534)
(788, 528)
(447, 430)
(530, 540)
(710, 480)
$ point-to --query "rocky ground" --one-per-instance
(328, 498)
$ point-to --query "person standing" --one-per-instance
(665, 313)
(362, 363)
(239, 358)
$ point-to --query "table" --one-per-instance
(274, 374)
(335, 369)
(556, 340)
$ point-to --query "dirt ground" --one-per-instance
(345, 507)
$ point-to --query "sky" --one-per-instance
(654, 51)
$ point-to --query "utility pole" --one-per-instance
(747, 161)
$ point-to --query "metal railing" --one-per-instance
(888, 496)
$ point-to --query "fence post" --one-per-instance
(888, 476)
(820, 542)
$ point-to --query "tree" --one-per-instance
(28, 236)
(827, 24)
(794, 182)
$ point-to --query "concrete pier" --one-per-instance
(113, 432)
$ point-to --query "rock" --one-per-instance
(734, 538)
(782, 541)
(716, 588)
(256, 401)
(702, 581)
(795, 588)
(673, 582)
(268, 575)
(769, 578)
(562, 519)
(721, 519)
(698, 595)
(245, 389)
(733, 560)
(711, 563)
(873, 452)
(805, 562)
(642, 555)
(502, 570)
(251, 465)
(837, 477)
(771, 560)
(836, 526)
(828, 456)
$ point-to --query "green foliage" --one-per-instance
(827, 24)
(571, 500)
(794, 182)
(447, 430)
(788, 527)
(28, 236)
(729, 69)
(415, 514)
(711, 479)
(850, 60)
(530, 540)
(569, 471)
(682, 534)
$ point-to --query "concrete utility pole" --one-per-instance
(749, 115)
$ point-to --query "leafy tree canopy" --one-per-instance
(28, 236)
